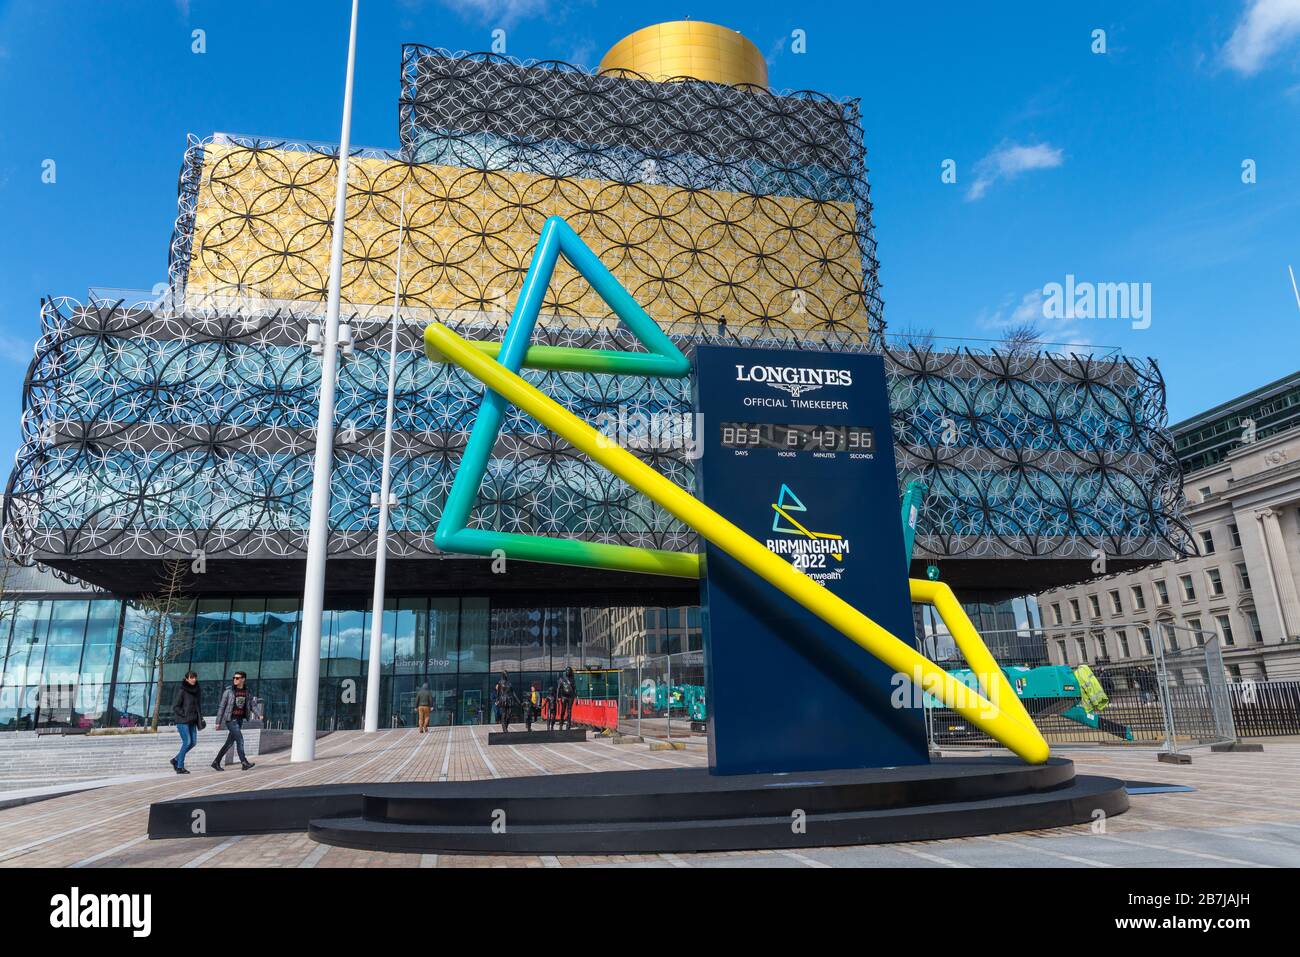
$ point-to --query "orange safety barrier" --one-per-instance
(595, 714)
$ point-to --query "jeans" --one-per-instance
(236, 737)
(189, 737)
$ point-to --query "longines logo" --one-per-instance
(794, 379)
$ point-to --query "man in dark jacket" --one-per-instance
(565, 691)
(236, 707)
(187, 709)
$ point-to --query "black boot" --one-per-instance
(246, 764)
(216, 764)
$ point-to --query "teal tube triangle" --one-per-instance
(661, 358)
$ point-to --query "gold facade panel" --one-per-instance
(693, 258)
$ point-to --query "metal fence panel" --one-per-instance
(663, 696)
(1265, 708)
(1163, 687)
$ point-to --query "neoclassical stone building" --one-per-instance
(1242, 483)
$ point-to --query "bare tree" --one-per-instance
(161, 634)
(914, 337)
(1023, 337)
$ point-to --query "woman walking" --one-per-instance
(187, 709)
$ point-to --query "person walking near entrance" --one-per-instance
(187, 709)
(235, 708)
(565, 691)
(533, 707)
(423, 705)
(505, 698)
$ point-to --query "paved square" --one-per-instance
(1244, 812)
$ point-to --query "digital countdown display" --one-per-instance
(798, 438)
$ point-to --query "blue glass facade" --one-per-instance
(152, 446)
(77, 661)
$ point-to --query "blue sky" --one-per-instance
(1122, 166)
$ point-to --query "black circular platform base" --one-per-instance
(630, 812)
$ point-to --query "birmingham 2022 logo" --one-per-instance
(809, 551)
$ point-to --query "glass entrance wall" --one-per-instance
(89, 662)
(58, 661)
(85, 661)
(1011, 627)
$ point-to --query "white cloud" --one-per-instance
(494, 13)
(1265, 27)
(1009, 313)
(777, 48)
(19, 351)
(583, 53)
(1009, 161)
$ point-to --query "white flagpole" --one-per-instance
(313, 595)
(385, 483)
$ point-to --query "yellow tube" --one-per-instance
(991, 680)
(839, 614)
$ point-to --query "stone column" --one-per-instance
(1281, 575)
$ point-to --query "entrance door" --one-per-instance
(471, 703)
